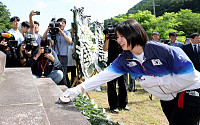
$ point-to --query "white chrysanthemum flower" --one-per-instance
(108, 117)
(96, 106)
(104, 111)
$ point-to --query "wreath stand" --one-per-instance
(77, 79)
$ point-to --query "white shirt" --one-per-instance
(71, 61)
(18, 36)
(140, 57)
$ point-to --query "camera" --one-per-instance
(37, 12)
(10, 39)
(54, 27)
(30, 42)
(46, 44)
(110, 30)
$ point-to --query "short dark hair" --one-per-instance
(36, 22)
(173, 34)
(194, 35)
(61, 19)
(26, 24)
(133, 32)
(156, 33)
(13, 18)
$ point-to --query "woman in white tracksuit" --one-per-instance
(162, 70)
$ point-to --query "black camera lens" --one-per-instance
(28, 47)
(47, 49)
(57, 24)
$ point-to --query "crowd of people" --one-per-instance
(169, 72)
(46, 54)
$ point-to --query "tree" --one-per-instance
(166, 6)
(163, 24)
(120, 18)
(189, 22)
(4, 18)
(167, 23)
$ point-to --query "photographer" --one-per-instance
(26, 49)
(62, 39)
(8, 45)
(34, 27)
(44, 62)
(120, 100)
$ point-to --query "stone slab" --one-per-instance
(63, 87)
(23, 114)
(17, 87)
(2, 62)
(58, 114)
(20, 102)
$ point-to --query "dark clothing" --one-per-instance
(71, 69)
(113, 51)
(42, 63)
(188, 115)
(63, 61)
(195, 58)
(11, 57)
(114, 100)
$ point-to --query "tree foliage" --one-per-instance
(181, 16)
(184, 22)
(166, 6)
(189, 22)
(4, 18)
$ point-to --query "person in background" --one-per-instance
(131, 84)
(34, 27)
(26, 49)
(62, 41)
(116, 100)
(24, 28)
(15, 22)
(44, 63)
(162, 70)
(192, 50)
(71, 64)
(174, 42)
(187, 41)
(156, 36)
(9, 48)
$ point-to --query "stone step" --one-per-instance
(58, 114)
(20, 102)
(25, 100)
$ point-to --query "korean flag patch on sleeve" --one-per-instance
(156, 62)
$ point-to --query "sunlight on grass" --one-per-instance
(143, 110)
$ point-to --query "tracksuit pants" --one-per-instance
(184, 109)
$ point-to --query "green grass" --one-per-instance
(143, 110)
